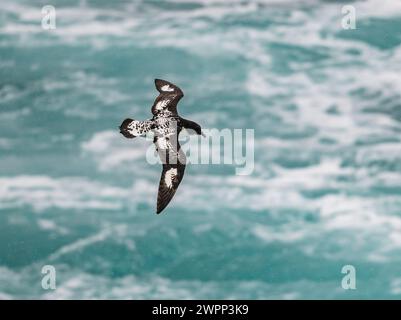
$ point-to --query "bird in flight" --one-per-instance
(166, 125)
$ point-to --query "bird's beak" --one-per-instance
(203, 135)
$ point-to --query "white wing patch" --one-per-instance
(162, 104)
(164, 144)
(169, 177)
(167, 88)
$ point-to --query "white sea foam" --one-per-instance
(42, 192)
(111, 150)
(50, 225)
(87, 286)
(272, 234)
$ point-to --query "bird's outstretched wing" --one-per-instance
(133, 128)
(174, 161)
(168, 98)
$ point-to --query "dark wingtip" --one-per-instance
(161, 207)
(160, 82)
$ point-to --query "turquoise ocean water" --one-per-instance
(325, 191)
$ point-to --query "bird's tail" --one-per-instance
(125, 130)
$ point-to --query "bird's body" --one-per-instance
(166, 125)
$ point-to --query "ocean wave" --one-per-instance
(43, 192)
(324, 104)
(112, 152)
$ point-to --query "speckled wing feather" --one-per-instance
(168, 98)
(174, 160)
(134, 128)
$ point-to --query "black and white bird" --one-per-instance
(166, 125)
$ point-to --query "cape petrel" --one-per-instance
(166, 125)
